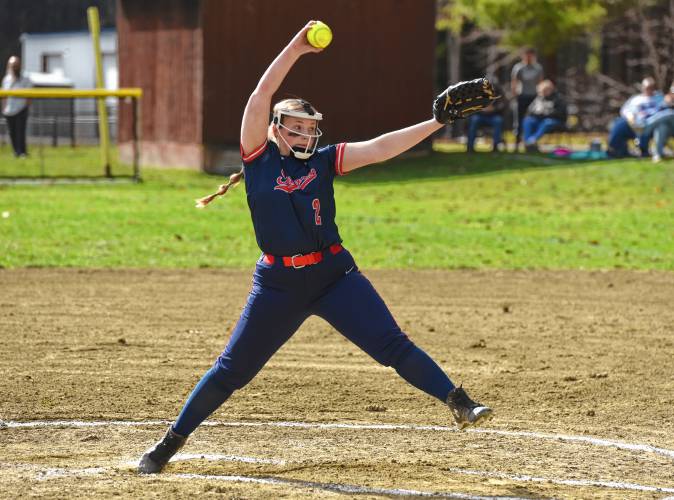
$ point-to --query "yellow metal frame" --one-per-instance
(103, 130)
(66, 93)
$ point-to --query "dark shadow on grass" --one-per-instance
(438, 165)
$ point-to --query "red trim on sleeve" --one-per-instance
(339, 159)
(257, 152)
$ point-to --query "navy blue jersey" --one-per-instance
(291, 201)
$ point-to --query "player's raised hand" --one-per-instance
(300, 44)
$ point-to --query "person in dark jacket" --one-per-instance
(545, 114)
(491, 116)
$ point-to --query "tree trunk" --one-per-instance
(454, 57)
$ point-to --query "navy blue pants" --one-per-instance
(279, 302)
(618, 136)
(479, 120)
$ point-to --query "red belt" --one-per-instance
(299, 261)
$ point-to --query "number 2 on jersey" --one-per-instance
(316, 204)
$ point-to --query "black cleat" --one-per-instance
(156, 458)
(466, 412)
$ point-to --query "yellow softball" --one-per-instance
(319, 35)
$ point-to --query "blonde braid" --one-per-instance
(233, 181)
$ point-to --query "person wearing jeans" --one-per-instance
(661, 125)
(632, 120)
(486, 119)
(546, 113)
(620, 134)
(491, 116)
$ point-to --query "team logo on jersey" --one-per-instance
(288, 184)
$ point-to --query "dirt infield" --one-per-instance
(577, 365)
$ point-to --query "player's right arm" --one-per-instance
(256, 114)
(627, 110)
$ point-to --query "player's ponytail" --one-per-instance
(233, 181)
(292, 104)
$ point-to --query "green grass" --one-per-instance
(80, 161)
(447, 210)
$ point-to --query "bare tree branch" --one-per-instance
(647, 36)
(612, 83)
(503, 59)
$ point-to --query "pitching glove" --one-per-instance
(463, 99)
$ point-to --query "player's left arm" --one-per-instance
(386, 146)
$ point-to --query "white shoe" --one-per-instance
(657, 158)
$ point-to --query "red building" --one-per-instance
(197, 62)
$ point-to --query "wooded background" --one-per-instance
(596, 51)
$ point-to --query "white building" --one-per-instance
(70, 54)
(66, 59)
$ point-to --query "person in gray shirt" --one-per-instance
(15, 109)
(525, 75)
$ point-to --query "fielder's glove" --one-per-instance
(463, 99)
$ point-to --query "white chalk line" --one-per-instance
(340, 487)
(310, 425)
(566, 482)
(315, 425)
(580, 439)
(61, 473)
(58, 473)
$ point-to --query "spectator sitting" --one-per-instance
(491, 116)
(546, 113)
(661, 124)
(632, 120)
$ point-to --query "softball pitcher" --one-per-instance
(304, 269)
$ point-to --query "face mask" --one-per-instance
(312, 139)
